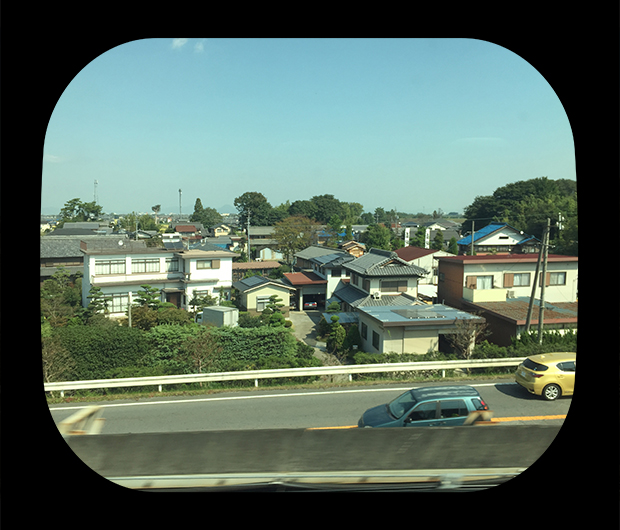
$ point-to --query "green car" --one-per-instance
(439, 406)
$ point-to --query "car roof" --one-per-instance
(555, 357)
(440, 392)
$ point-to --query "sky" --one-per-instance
(407, 124)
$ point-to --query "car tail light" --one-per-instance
(536, 376)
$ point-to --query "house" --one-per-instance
(119, 267)
(500, 286)
(379, 277)
(255, 291)
(425, 258)
(331, 267)
(263, 246)
(498, 238)
(303, 258)
(414, 329)
(220, 230)
(353, 247)
(240, 269)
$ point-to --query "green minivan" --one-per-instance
(439, 406)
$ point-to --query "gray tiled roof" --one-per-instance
(356, 298)
(383, 263)
(316, 251)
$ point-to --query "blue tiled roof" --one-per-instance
(489, 229)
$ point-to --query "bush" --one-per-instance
(96, 350)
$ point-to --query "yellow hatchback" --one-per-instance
(549, 375)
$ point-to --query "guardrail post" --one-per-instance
(160, 388)
(443, 374)
(256, 383)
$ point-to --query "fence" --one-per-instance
(349, 370)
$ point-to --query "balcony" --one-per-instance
(484, 295)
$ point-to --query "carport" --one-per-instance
(309, 287)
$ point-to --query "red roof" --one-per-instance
(185, 228)
(304, 278)
(411, 253)
(506, 258)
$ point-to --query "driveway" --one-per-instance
(304, 328)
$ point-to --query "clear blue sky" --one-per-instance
(410, 124)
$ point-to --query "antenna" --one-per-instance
(96, 193)
(180, 211)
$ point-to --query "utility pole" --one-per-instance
(543, 281)
(248, 221)
(473, 233)
(534, 284)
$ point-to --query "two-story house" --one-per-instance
(498, 238)
(500, 286)
(120, 267)
(379, 277)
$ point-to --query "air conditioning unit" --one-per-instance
(510, 294)
(376, 295)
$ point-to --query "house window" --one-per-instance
(172, 264)
(484, 282)
(110, 266)
(145, 265)
(375, 340)
(522, 279)
(394, 286)
(261, 303)
(367, 285)
(364, 331)
(336, 273)
(557, 278)
(208, 264)
(119, 303)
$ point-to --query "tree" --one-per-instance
(149, 297)
(57, 361)
(272, 314)
(254, 205)
(378, 236)
(467, 334)
(206, 216)
(438, 241)
(326, 207)
(294, 234)
(202, 350)
(75, 210)
(337, 336)
(453, 248)
(98, 302)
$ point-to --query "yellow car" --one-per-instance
(549, 375)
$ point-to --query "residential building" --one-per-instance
(500, 286)
(303, 258)
(331, 267)
(263, 268)
(353, 247)
(121, 267)
(255, 292)
(309, 287)
(379, 277)
(498, 238)
(425, 258)
(415, 329)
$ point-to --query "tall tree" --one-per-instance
(75, 210)
(254, 205)
(294, 234)
(378, 236)
(327, 206)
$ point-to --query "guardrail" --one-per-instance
(281, 373)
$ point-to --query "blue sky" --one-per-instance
(410, 124)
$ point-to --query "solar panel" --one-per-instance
(418, 313)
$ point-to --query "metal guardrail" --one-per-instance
(280, 373)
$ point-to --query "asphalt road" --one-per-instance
(329, 408)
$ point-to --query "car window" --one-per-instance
(537, 367)
(453, 408)
(568, 366)
(424, 411)
(401, 404)
(479, 404)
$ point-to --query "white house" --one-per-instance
(120, 267)
(498, 238)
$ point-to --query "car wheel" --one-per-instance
(551, 392)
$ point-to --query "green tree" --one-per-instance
(294, 234)
(337, 336)
(254, 205)
(98, 302)
(453, 248)
(438, 241)
(202, 350)
(75, 210)
(206, 216)
(149, 297)
(378, 236)
(326, 207)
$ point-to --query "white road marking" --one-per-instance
(300, 394)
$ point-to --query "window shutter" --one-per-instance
(548, 278)
(215, 263)
(471, 282)
(509, 280)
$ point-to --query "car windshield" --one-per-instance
(401, 404)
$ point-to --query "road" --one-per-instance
(300, 408)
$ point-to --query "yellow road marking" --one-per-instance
(511, 418)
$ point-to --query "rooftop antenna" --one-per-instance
(96, 194)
